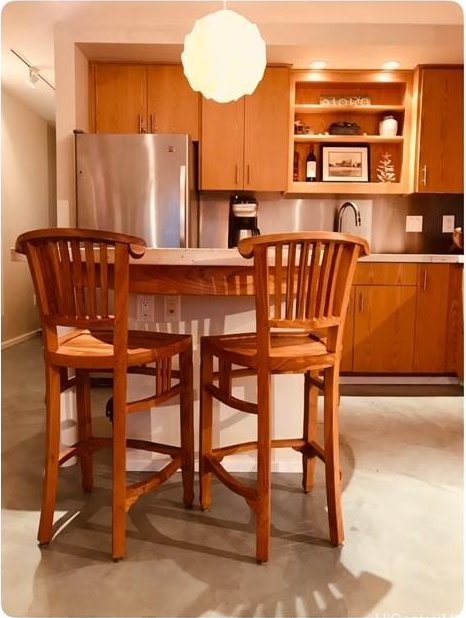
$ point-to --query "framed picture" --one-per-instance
(345, 163)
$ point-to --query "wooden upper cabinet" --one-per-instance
(140, 98)
(173, 106)
(440, 130)
(320, 100)
(244, 145)
(118, 98)
(266, 133)
(222, 142)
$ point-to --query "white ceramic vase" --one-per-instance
(388, 126)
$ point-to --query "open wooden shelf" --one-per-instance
(348, 139)
(390, 188)
(352, 109)
(388, 93)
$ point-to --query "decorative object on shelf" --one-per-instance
(311, 166)
(224, 56)
(386, 169)
(348, 100)
(344, 128)
(302, 129)
(345, 163)
(388, 126)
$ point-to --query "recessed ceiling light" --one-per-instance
(390, 65)
(318, 64)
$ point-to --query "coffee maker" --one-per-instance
(242, 221)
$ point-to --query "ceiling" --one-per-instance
(344, 33)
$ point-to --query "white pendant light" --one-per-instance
(224, 56)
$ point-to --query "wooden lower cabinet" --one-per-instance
(383, 329)
(430, 338)
(346, 363)
(455, 326)
(405, 319)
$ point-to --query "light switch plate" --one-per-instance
(448, 224)
(414, 223)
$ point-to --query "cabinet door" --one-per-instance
(440, 164)
(383, 329)
(455, 326)
(120, 98)
(431, 319)
(266, 132)
(348, 334)
(172, 104)
(222, 145)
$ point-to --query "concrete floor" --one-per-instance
(402, 459)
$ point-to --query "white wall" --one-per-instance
(28, 169)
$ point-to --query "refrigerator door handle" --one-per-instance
(184, 219)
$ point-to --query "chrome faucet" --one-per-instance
(341, 211)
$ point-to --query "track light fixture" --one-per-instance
(33, 76)
(34, 72)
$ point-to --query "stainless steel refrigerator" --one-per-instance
(144, 185)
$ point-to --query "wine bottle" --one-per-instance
(311, 166)
(296, 166)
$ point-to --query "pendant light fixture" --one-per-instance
(224, 56)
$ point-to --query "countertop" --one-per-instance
(231, 257)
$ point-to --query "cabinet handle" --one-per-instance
(361, 302)
(424, 282)
(248, 174)
(236, 174)
(153, 128)
(141, 124)
(424, 175)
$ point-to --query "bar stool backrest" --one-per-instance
(81, 277)
(303, 279)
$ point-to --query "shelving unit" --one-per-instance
(387, 93)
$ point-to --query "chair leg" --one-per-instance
(332, 455)
(83, 400)
(52, 452)
(205, 435)
(311, 394)
(187, 426)
(119, 465)
(264, 477)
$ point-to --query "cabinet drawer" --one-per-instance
(371, 273)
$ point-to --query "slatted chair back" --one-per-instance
(80, 277)
(303, 279)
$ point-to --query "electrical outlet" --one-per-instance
(172, 308)
(145, 307)
(448, 224)
(414, 223)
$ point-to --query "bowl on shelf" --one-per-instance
(344, 128)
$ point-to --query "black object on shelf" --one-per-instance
(344, 128)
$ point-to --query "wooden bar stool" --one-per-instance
(302, 287)
(81, 280)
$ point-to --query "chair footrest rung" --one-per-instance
(133, 492)
(248, 492)
(232, 402)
